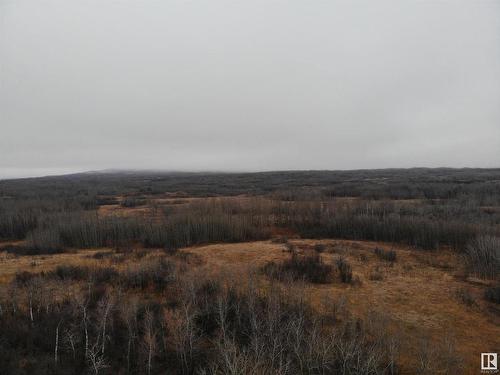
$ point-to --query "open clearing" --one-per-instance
(417, 296)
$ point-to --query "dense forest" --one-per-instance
(425, 208)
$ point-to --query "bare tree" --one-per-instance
(12, 295)
(149, 339)
(96, 358)
(71, 337)
(181, 325)
(128, 312)
(104, 307)
(450, 359)
(82, 303)
(56, 348)
(34, 295)
(425, 357)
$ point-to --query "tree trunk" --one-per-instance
(31, 310)
(149, 360)
(86, 332)
(57, 342)
(128, 355)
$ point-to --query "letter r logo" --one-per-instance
(489, 361)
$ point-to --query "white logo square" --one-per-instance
(489, 361)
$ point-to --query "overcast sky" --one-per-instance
(247, 85)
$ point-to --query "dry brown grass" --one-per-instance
(418, 293)
(11, 264)
(419, 296)
(164, 200)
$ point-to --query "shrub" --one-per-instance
(280, 239)
(153, 272)
(97, 274)
(307, 267)
(70, 272)
(131, 202)
(289, 247)
(24, 277)
(387, 255)
(345, 270)
(104, 275)
(493, 294)
(376, 274)
(465, 297)
(102, 255)
(319, 247)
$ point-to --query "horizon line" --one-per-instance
(216, 171)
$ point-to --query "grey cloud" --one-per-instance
(250, 85)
